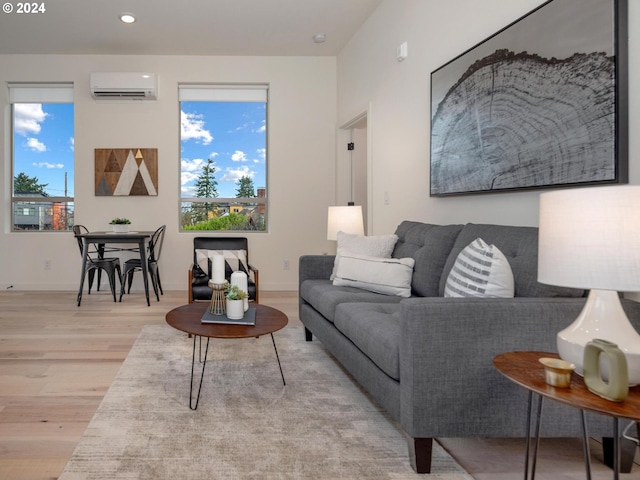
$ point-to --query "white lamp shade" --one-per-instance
(344, 219)
(590, 238)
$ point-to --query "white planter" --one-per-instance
(120, 227)
(235, 309)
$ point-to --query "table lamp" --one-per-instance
(347, 219)
(589, 238)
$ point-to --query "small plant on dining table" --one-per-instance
(235, 293)
(120, 221)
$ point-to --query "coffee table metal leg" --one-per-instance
(204, 364)
(200, 350)
(274, 347)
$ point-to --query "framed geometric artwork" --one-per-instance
(126, 171)
(542, 103)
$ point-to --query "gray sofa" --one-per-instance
(428, 360)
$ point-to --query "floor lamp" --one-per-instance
(589, 238)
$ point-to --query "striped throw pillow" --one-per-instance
(480, 270)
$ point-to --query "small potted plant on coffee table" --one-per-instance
(120, 225)
(235, 302)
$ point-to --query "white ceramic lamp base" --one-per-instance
(601, 317)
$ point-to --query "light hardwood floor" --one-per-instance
(57, 361)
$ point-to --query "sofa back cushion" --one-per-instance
(520, 246)
(430, 246)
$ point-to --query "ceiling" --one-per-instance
(187, 27)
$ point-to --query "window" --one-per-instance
(223, 142)
(42, 156)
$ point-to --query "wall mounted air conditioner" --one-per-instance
(124, 86)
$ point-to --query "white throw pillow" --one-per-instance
(380, 246)
(390, 276)
(480, 270)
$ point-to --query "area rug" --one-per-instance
(321, 425)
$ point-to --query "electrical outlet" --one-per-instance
(285, 264)
(47, 264)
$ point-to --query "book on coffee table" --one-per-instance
(248, 319)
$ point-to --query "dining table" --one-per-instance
(115, 241)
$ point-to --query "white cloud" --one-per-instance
(234, 174)
(28, 117)
(190, 170)
(192, 127)
(262, 154)
(188, 191)
(48, 165)
(239, 156)
(263, 127)
(36, 145)
(192, 165)
(72, 144)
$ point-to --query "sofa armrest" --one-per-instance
(315, 267)
(447, 348)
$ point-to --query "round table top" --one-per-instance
(187, 318)
(524, 369)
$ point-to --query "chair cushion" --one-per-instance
(202, 291)
(235, 260)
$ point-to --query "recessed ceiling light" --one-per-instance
(319, 37)
(127, 18)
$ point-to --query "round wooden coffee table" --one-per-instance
(188, 318)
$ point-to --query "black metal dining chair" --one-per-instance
(134, 264)
(96, 261)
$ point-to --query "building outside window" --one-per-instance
(42, 156)
(223, 142)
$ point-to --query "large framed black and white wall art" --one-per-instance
(542, 103)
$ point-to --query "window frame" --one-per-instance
(37, 93)
(224, 92)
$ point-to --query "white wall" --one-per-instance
(399, 93)
(302, 115)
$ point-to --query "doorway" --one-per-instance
(353, 169)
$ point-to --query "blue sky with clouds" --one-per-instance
(43, 143)
(232, 134)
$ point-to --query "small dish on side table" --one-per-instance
(557, 373)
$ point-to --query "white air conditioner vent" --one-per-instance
(124, 86)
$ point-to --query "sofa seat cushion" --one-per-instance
(325, 297)
(375, 329)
